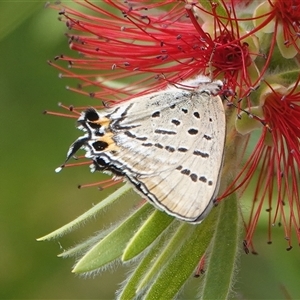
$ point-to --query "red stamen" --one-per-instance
(59, 114)
(108, 183)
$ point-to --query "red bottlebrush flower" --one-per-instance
(283, 19)
(277, 157)
(167, 44)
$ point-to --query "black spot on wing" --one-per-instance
(185, 172)
(193, 131)
(147, 144)
(184, 110)
(158, 145)
(133, 136)
(203, 179)
(196, 115)
(91, 114)
(156, 114)
(207, 137)
(194, 177)
(202, 154)
(100, 145)
(141, 138)
(163, 131)
(170, 149)
(175, 122)
(117, 125)
(129, 134)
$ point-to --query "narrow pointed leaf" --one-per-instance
(176, 241)
(112, 246)
(82, 247)
(150, 230)
(222, 259)
(88, 214)
(181, 266)
(130, 289)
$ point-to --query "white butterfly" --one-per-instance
(168, 144)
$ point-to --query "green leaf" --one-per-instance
(112, 246)
(178, 268)
(218, 6)
(222, 258)
(284, 77)
(87, 215)
(129, 290)
(177, 240)
(150, 230)
(83, 247)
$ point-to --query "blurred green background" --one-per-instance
(35, 200)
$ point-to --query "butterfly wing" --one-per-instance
(169, 145)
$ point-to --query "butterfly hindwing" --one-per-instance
(168, 144)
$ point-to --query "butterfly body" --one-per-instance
(168, 144)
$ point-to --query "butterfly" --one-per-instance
(168, 144)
